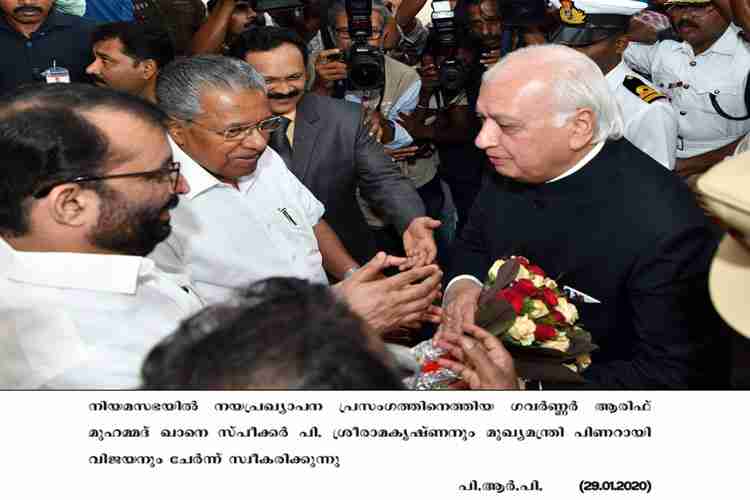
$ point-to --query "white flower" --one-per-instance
(523, 330)
(492, 273)
(540, 309)
(560, 343)
(583, 361)
(523, 273)
(568, 310)
(550, 283)
(537, 280)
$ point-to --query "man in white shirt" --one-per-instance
(650, 120)
(247, 217)
(705, 77)
(564, 200)
(83, 205)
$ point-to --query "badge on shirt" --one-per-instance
(56, 74)
(638, 87)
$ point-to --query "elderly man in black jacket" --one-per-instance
(326, 145)
(597, 215)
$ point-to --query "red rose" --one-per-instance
(558, 317)
(430, 366)
(535, 270)
(514, 298)
(544, 332)
(524, 287)
(549, 297)
(522, 260)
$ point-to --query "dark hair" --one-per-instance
(212, 3)
(80, 97)
(40, 146)
(265, 38)
(140, 41)
(462, 41)
(281, 333)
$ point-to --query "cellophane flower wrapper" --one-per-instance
(535, 321)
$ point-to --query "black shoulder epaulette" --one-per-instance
(639, 88)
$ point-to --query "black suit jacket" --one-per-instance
(627, 232)
(332, 155)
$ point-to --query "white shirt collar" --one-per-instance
(201, 180)
(616, 75)
(83, 271)
(581, 163)
(726, 44)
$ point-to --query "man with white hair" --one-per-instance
(650, 121)
(247, 217)
(565, 198)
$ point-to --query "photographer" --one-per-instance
(385, 88)
(443, 117)
(226, 20)
(486, 23)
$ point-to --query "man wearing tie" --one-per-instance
(325, 144)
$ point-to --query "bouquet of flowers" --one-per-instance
(535, 320)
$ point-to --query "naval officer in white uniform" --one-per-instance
(598, 28)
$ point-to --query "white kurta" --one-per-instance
(225, 238)
(76, 320)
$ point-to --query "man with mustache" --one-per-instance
(34, 38)
(705, 78)
(398, 93)
(247, 217)
(129, 56)
(327, 147)
(82, 204)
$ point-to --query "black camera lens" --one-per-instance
(365, 74)
(366, 67)
(453, 75)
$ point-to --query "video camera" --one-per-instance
(453, 72)
(366, 63)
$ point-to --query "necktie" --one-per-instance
(280, 142)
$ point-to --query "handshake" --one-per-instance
(407, 299)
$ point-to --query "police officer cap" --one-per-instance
(583, 22)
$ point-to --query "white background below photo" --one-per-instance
(48, 451)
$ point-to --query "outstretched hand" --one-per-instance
(419, 242)
(389, 303)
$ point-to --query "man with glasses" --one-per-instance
(399, 94)
(326, 145)
(705, 78)
(82, 205)
(247, 217)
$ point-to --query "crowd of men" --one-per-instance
(248, 198)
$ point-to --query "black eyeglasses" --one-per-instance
(239, 132)
(171, 172)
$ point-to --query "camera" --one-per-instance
(452, 71)
(366, 63)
